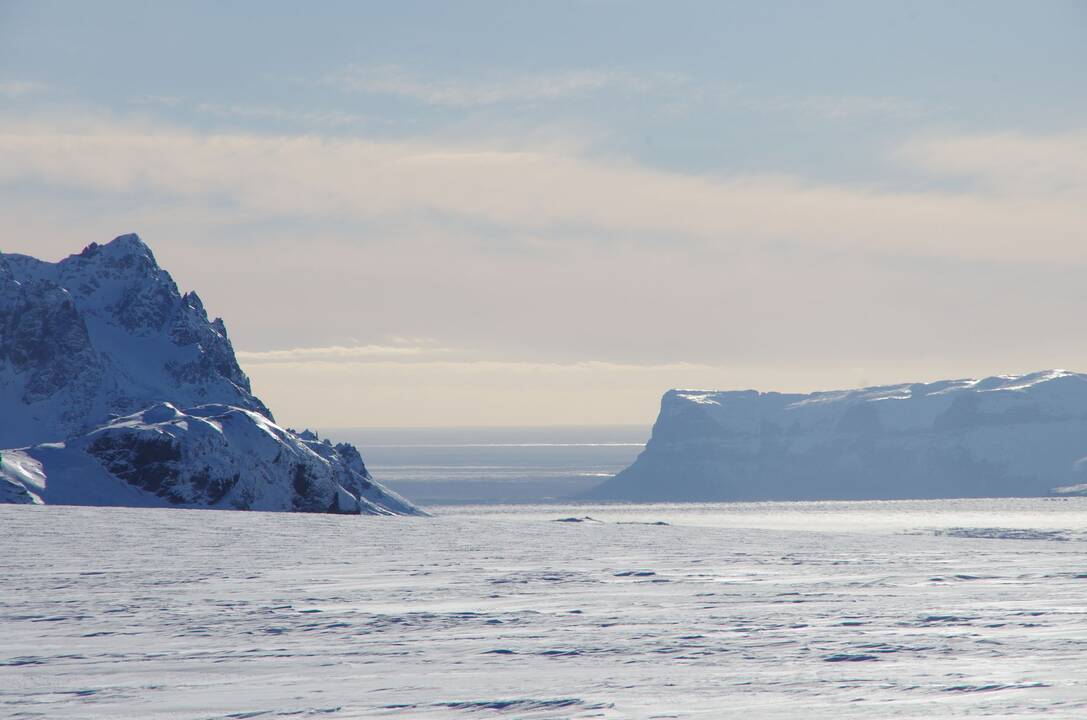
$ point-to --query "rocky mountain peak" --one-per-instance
(105, 332)
(115, 389)
(129, 245)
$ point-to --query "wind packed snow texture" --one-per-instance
(908, 609)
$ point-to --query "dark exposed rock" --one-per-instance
(150, 462)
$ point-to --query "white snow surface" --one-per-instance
(885, 609)
(1009, 435)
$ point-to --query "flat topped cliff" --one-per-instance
(1009, 435)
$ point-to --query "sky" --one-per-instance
(523, 213)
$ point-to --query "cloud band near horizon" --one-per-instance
(1017, 198)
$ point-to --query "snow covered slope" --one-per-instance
(104, 332)
(209, 456)
(118, 390)
(1013, 435)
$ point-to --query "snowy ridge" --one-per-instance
(118, 390)
(1009, 435)
(208, 456)
(104, 332)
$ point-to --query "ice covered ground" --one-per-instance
(772, 610)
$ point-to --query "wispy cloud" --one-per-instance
(15, 89)
(342, 354)
(541, 191)
(838, 107)
(309, 117)
(401, 82)
(674, 89)
(441, 357)
(1009, 163)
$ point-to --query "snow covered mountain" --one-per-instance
(210, 456)
(1012, 435)
(120, 391)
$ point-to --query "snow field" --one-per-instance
(962, 609)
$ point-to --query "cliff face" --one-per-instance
(120, 391)
(102, 333)
(1002, 436)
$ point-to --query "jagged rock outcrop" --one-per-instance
(117, 389)
(214, 456)
(102, 333)
(1013, 435)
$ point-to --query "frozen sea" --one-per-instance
(437, 466)
(907, 609)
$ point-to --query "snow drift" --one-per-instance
(117, 390)
(1012, 435)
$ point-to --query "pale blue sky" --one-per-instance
(696, 86)
(552, 212)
